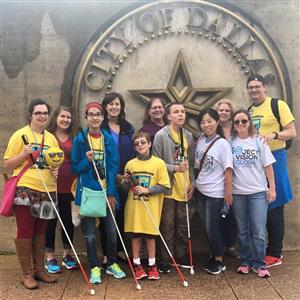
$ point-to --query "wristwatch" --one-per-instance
(276, 135)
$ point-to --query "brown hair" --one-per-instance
(141, 134)
(251, 129)
(53, 122)
(146, 118)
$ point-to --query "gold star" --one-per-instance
(180, 89)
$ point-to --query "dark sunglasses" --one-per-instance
(52, 154)
(237, 122)
(135, 144)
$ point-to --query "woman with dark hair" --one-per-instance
(61, 125)
(121, 131)
(154, 117)
(214, 183)
(253, 190)
(32, 205)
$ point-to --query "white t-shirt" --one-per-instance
(250, 157)
(211, 179)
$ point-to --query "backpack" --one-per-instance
(275, 111)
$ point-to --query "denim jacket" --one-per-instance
(85, 170)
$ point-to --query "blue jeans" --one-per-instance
(251, 216)
(209, 210)
(88, 230)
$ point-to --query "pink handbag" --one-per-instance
(8, 193)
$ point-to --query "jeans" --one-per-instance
(229, 229)
(275, 228)
(209, 210)
(88, 230)
(251, 216)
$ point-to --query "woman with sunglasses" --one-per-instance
(154, 118)
(32, 205)
(214, 183)
(61, 125)
(121, 131)
(253, 189)
(228, 224)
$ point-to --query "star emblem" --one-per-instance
(180, 89)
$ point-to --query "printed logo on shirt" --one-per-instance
(142, 179)
(178, 156)
(257, 122)
(208, 161)
(40, 160)
(245, 157)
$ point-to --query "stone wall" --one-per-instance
(41, 45)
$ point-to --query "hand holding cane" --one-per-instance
(91, 290)
(184, 282)
(186, 205)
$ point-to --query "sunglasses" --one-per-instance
(142, 143)
(237, 122)
(52, 154)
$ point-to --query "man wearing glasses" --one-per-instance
(276, 134)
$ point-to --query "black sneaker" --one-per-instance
(208, 264)
(216, 267)
(164, 268)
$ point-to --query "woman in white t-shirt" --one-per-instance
(214, 183)
(252, 174)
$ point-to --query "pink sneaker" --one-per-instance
(263, 273)
(243, 269)
(272, 261)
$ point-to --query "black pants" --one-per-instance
(275, 228)
(64, 208)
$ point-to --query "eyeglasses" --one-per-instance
(92, 115)
(156, 107)
(237, 122)
(254, 87)
(40, 113)
(52, 154)
(138, 143)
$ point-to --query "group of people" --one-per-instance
(149, 176)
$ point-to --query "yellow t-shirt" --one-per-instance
(146, 173)
(31, 178)
(265, 122)
(180, 179)
(97, 146)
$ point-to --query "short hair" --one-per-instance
(251, 130)
(170, 105)
(256, 77)
(34, 103)
(141, 134)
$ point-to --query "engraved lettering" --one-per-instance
(197, 18)
(235, 29)
(166, 15)
(148, 22)
(104, 49)
(96, 80)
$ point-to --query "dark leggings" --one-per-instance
(64, 207)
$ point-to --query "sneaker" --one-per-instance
(164, 268)
(216, 267)
(153, 273)
(208, 264)
(52, 267)
(139, 272)
(263, 273)
(116, 271)
(272, 261)
(69, 262)
(95, 276)
(243, 269)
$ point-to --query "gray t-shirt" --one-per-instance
(250, 157)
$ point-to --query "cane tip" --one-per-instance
(138, 287)
(92, 292)
(192, 272)
(185, 284)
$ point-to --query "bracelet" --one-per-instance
(276, 135)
